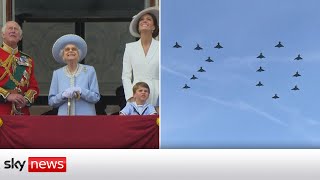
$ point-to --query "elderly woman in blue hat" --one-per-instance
(74, 87)
(141, 58)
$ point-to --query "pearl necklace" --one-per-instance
(74, 72)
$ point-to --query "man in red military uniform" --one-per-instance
(18, 86)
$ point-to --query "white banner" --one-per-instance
(163, 164)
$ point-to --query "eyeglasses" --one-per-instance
(70, 49)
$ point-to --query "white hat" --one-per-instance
(135, 19)
(65, 40)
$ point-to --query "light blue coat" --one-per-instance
(86, 79)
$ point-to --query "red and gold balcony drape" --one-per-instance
(69, 132)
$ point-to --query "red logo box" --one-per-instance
(47, 164)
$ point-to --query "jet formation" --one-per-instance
(201, 69)
(260, 69)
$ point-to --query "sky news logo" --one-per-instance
(38, 164)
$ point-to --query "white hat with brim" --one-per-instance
(135, 19)
(65, 40)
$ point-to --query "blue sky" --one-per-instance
(224, 108)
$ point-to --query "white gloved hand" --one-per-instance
(68, 93)
(77, 89)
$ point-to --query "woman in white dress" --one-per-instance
(141, 58)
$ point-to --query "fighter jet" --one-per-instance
(279, 45)
(295, 88)
(209, 59)
(198, 47)
(259, 84)
(296, 74)
(275, 96)
(201, 70)
(177, 45)
(193, 77)
(298, 57)
(261, 56)
(260, 69)
(186, 86)
(218, 46)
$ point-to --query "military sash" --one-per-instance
(19, 77)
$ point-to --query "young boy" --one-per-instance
(139, 106)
